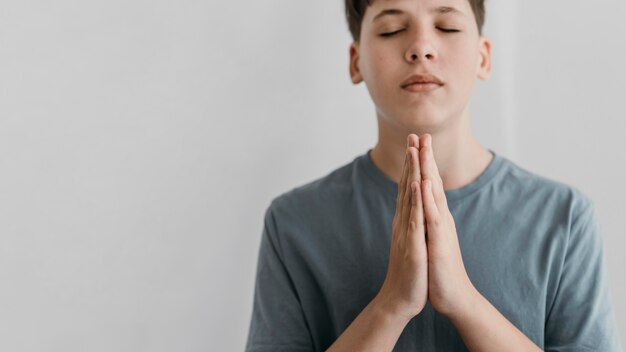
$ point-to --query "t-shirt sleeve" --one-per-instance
(581, 317)
(278, 322)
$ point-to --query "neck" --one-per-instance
(459, 156)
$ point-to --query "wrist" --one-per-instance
(467, 305)
(390, 309)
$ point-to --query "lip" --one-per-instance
(422, 83)
(421, 87)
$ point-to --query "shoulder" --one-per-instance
(324, 191)
(548, 196)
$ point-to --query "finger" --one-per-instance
(430, 208)
(402, 183)
(429, 166)
(431, 171)
(414, 173)
(403, 178)
(415, 143)
(406, 202)
(415, 234)
(402, 188)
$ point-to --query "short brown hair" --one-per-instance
(355, 10)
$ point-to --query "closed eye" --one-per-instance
(447, 30)
(390, 33)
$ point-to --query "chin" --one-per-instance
(422, 118)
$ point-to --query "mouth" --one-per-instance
(422, 83)
(422, 87)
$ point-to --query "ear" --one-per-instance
(355, 72)
(484, 65)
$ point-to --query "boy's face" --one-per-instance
(384, 63)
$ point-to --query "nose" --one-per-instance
(421, 49)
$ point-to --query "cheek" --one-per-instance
(465, 63)
(379, 68)
(379, 58)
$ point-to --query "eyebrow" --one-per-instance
(439, 10)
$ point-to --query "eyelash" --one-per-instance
(445, 30)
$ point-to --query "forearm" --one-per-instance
(484, 328)
(376, 328)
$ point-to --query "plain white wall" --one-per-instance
(141, 142)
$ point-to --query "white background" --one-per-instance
(141, 142)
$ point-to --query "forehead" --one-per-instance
(380, 11)
(380, 8)
(428, 2)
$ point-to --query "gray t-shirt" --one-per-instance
(531, 246)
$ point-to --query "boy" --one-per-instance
(482, 254)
